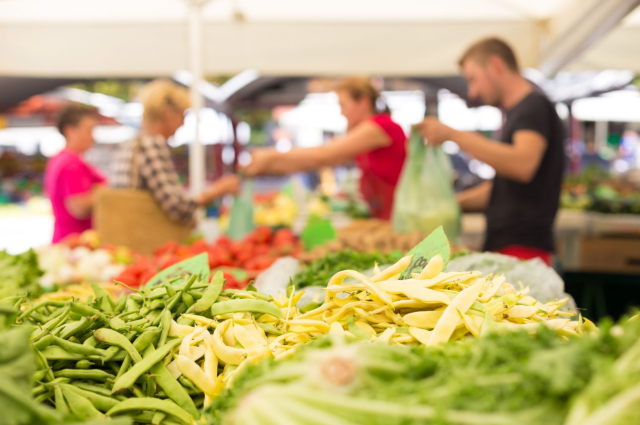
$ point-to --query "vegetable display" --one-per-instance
(320, 271)
(366, 236)
(149, 352)
(19, 274)
(20, 406)
(502, 378)
(597, 190)
(253, 254)
(432, 307)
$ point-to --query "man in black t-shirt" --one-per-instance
(522, 201)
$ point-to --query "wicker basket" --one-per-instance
(133, 218)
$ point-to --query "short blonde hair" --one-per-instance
(159, 94)
(358, 88)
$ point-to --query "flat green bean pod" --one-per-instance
(253, 306)
(111, 337)
(154, 405)
(129, 378)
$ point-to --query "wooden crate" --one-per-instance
(610, 255)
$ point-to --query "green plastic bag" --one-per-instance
(424, 198)
(241, 221)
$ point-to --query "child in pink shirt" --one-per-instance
(69, 181)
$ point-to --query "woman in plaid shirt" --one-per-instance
(145, 162)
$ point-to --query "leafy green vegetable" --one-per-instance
(19, 275)
(319, 272)
(508, 378)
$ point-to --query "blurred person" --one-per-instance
(373, 140)
(522, 201)
(147, 158)
(68, 180)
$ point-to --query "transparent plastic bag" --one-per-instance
(241, 221)
(424, 198)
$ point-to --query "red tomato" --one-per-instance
(245, 255)
(128, 279)
(260, 262)
(169, 247)
(199, 247)
(283, 236)
(262, 249)
(263, 235)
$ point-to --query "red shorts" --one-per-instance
(527, 253)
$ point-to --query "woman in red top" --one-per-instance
(374, 141)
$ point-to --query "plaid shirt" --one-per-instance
(156, 173)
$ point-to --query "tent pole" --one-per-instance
(197, 161)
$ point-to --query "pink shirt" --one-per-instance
(66, 175)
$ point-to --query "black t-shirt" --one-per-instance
(523, 213)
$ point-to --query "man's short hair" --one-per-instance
(482, 50)
(72, 114)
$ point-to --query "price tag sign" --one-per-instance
(434, 244)
(198, 265)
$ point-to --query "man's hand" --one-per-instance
(434, 131)
(260, 161)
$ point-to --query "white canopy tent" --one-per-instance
(129, 38)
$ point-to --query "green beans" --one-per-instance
(95, 389)
(51, 324)
(85, 310)
(80, 406)
(121, 304)
(210, 295)
(54, 352)
(88, 375)
(117, 323)
(156, 304)
(173, 389)
(75, 328)
(187, 299)
(165, 325)
(38, 306)
(43, 342)
(84, 364)
(152, 404)
(101, 402)
(253, 306)
(61, 404)
(111, 337)
(127, 380)
(72, 347)
(170, 290)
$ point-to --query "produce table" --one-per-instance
(572, 228)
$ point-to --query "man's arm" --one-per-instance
(519, 161)
(79, 206)
(475, 199)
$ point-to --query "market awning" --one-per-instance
(120, 38)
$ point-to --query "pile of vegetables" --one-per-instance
(19, 274)
(254, 253)
(273, 209)
(320, 271)
(369, 235)
(503, 378)
(17, 369)
(597, 190)
(149, 354)
(431, 307)
(63, 264)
